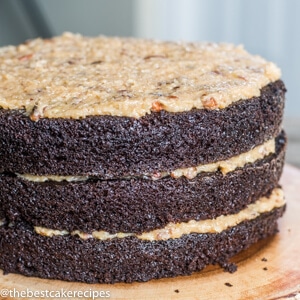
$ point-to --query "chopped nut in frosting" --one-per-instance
(72, 76)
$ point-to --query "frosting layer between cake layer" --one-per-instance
(132, 205)
(224, 166)
(128, 259)
(177, 230)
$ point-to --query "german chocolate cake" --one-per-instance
(128, 160)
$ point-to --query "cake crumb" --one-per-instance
(176, 291)
(228, 267)
(264, 259)
(228, 284)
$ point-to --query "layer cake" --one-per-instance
(128, 160)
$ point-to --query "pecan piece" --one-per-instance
(154, 56)
(25, 57)
(156, 175)
(97, 62)
(35, 114)
(157, 106)
(210, 103)
(241, 77)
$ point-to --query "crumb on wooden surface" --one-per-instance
(264, 259)
(228, 284)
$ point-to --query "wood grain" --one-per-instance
(268, 270)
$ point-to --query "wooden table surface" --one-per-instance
(268, 270)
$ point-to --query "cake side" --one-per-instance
(112, 147)
(128, 259)
(133, 205)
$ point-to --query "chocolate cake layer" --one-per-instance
(138, 205)
(129, 259)
(111, 147)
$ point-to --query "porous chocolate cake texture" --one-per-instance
(129, 160)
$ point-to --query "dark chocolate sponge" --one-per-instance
(138, 205)
(111, 147)
(128, 259)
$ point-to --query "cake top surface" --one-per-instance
(71, 76)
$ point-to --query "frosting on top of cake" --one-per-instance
(72, 76)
